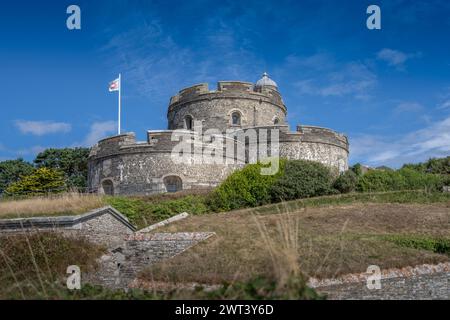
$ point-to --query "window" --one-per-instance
(236, 119)
(173, 183)
(108, 187)
(188, 122)
(276, 121)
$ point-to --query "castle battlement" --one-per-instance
(227, 89)
(241, 115)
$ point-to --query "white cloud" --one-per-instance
(444, 105)
(98, 131)
(159, 66)
(431, 141)
(352, 79)
(40, 128)
(408, 107)
(395, 58)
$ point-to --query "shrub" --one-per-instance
(302, 179)
(346, 182)
(41, 181)
(403, 179)
(417, 180)
(381, 180)
(244, 188)
(437, 245)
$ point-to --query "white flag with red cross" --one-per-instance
(114, 85)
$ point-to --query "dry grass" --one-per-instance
(33, 266)
(320, 242)
(68, 203)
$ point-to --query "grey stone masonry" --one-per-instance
(105, 226)
(121, 165)
(120, 267)
(422, 282)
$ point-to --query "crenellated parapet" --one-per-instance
(218, 131)
(323, 135)
(227, 89)
(254, 105)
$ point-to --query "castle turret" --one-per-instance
(235, 104)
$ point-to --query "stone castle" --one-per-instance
(122, 165)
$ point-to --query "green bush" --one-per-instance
(380, 180)
(417, 180)
(244, 188)
(437, 245)
(302, 179)
(403, 179)
(346, 182)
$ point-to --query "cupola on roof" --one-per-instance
(266, 81)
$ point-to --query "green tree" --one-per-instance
(41, 181)
(73, 162)
(357, 169)
(433, 165)
(12, 170)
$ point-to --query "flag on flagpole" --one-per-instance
(114, 85)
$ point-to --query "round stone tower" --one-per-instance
(234, 104)
(122, 165)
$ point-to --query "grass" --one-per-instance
(144, 211)
(413, 196)
(63, 204)
(319, 240)
(264, 252)
(33, 266)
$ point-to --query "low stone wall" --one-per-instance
(104, 226)
(120, 267)
(410, 283)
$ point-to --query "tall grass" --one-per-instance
(33, 265)
(67, 203)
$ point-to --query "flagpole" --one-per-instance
(120, 89)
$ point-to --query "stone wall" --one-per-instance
(121, 266)
(121, 165)
(104, 226)
(410, 283)
(214, 108)
(142, 173)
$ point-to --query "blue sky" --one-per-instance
(388, 89)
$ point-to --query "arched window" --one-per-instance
(236, 118)
(276, 121)
(188, 122)
(173, 183)
(108, 187)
